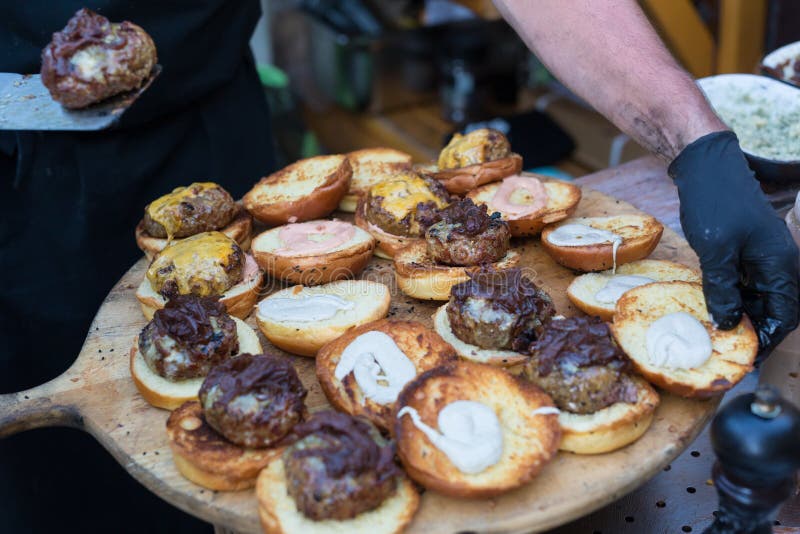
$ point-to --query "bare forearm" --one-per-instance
(608, 54)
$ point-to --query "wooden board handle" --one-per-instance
(34, 408)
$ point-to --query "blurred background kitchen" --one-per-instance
(347, 74)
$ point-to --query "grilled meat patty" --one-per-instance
(339, 467)
(253, 400)
(578, 364)
(188, 337)
(399, 206)
(465, 234)
(478, 146)
(92, 59)
(199, 207)
(499, 309)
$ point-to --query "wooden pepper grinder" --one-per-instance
(756, 438)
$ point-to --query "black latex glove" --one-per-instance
(748, 256)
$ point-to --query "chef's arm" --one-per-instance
(607, 52)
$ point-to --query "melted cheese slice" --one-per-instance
(162, 211)
(400, 197)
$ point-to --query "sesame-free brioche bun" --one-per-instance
(371, 166)
(474, 353)
(640, 235)
(583, 288)
(464, 179)
(305, 190)
(611, 428)
(734, 351)
(386, 244)
(562, 201)
(343, 261)
(371, 302)
(424, 347)
(169, 394)
(206, 458)
(239, 229)
(279, 514)
(530, 440)
(418, 276)
(238, 300)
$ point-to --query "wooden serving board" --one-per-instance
(98, 395)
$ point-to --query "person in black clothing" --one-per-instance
(69, 204)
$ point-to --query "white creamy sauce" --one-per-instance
(619, 284)
(469, 434)
(579, 235)
(305, 309)
(380, 368)
(88, 63)
(678, 340)
(546, 410)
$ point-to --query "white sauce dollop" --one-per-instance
(579, 235)
(469, 434)
(378, 365)
(305, 309)
(679, 341)
(619, 284)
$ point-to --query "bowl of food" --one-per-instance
(765, 114)
(783, 64)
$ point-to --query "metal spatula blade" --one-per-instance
(25, 104)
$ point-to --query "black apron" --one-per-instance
(69, 203)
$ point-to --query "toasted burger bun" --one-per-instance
(371, 300)
(169, 394)
(344, 261)
(734, 351)
(611, 428)
(421, 345)
(529, 440)
(371, 166)
(279, 514)
(419, 277)
(499, 357)
(308, 189)
(465, 179)
(208, 459)
(640, 235)
(583, 288)
(239, 229)
(239, 300)
(562, 201)
(386, 244)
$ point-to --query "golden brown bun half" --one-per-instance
(529, 440)
(465, 179)
(208, 459)
(386, 244)
(371, 302)
(305, 190)
(562, 201)
(584, 287)
(279, 514)
(371, 166)
(734, 351)
(611, 428)
(169, 394)
(239, 300)
(419, 277)
(499, 357)
(640, 235)
(424, 347)
(239, 229)
(344, 261)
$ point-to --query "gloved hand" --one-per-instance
(748, 256)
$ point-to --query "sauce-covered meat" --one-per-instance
(578, 364)
(339, 467)
(465, 234)
(92, 59)
(499, 309)
(253, 400)
(188, 337)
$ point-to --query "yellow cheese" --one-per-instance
(400, 197)
(163, 209)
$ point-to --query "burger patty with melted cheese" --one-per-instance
(399, 206)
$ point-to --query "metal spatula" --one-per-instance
(25, 104)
